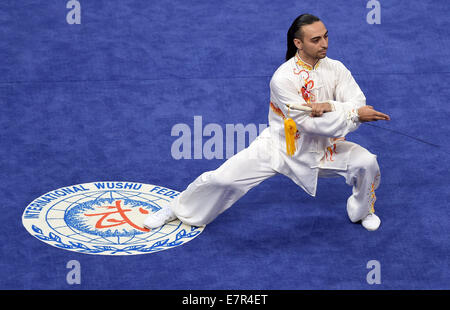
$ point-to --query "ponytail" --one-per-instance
(291, 48)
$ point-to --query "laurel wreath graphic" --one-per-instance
(160, 245)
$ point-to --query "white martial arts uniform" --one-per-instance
(321, 148)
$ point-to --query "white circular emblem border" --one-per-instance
(46, 218)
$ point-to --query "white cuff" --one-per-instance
(333, 108)
(353, 115)
(350, 113)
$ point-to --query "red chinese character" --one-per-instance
(117, 209)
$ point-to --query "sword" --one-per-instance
(304, 108)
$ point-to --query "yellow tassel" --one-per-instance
(290, 129)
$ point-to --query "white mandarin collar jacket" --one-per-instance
(331, 81)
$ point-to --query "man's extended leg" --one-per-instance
(213, 192)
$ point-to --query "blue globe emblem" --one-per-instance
(107, 222)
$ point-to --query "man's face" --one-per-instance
(315, 41)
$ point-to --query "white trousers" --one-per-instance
(215, 191)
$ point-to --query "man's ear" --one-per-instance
(298, 43)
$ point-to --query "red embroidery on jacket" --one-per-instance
(330, 150)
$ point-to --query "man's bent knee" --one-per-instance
(364, 160)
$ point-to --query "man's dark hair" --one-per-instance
(296, 32)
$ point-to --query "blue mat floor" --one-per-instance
(97, 102)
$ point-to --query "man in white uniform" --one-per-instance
(301, 145)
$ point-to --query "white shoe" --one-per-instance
(159, 218)
(371, 222)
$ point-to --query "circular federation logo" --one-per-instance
(105, 218)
